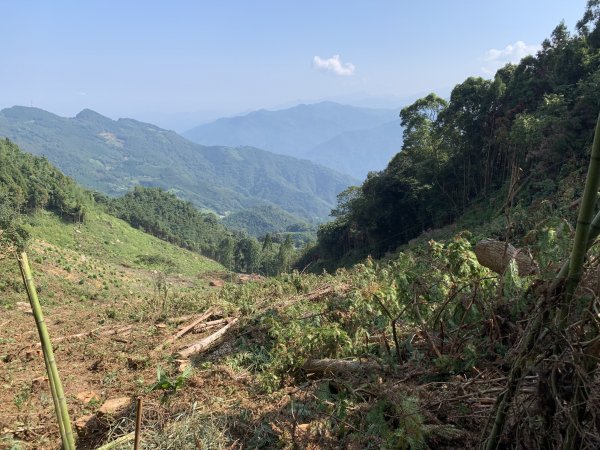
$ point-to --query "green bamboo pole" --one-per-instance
(586, 211)
(60, 403)
(586, 233)
(588, 203)
(564, 270)
(61, 424)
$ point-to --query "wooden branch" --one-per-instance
(184, 330)
(317, 294)
(138, 424)
(91, 333)
(425, 332)
(207, 342)
(208, 325)
(341, 366)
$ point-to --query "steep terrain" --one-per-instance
(516, 136)
(480, 333)
(327, 133)
(113, 156)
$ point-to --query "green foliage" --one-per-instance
(163, 215)
(114, 156)
(32, 183)
(265, 219)
(532, 122)
(170, 385)
(12, 234)
(398, 425)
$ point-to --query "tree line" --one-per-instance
(532, 122)
(30, 183)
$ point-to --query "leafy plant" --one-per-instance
(170, 385)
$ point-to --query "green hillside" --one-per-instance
(114, 156)
(260, 220)
(509, 139)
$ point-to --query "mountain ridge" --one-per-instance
(113, 156)
(292, 131)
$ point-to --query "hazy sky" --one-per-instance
(127, 58)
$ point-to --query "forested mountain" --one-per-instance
(261, 220)
(317, 132)
(30, 184)
(358, 152)
(528, 127)
(113, 156)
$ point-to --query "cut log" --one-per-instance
(207, 342)
(320, 293)
(184, 330)
(208, 325)
(338, 366)
(496, 255)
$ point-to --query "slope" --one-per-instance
(261, 220)
(292, 131)
(358, 152)
(113, 156)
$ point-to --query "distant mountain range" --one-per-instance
(350, 139)
(112, 156)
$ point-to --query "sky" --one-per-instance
(145, 59)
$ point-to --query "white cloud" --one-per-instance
(334, 64)
(512, 53)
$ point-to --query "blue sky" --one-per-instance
(127, 58)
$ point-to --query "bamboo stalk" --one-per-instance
(122, 440)
(208, 325)
(60, 403)
(582, 233)
(138, 424)
(61, 425)
(586, 232)
(586, 210)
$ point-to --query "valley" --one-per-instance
(318, 276)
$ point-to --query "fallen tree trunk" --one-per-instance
(338, 366)
(183, 331)
(207, 342)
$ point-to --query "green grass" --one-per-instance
(109, 239)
